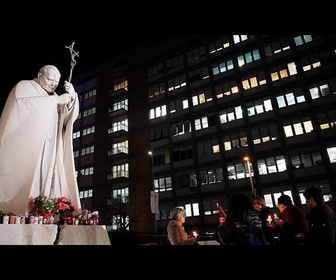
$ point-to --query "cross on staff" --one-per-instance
(73, 54)
(61, 113)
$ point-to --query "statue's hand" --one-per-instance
(70, 89)
(64, 99)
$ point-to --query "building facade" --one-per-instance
(218, 114)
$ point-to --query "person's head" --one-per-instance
(178, 214)
(283, 202)
(240, 202)
(313, 196)
(258, 203)
(48, 78)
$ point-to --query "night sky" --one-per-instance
(23, 57)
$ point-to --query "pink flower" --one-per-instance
(64, 205)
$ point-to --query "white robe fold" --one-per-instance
(31, 152)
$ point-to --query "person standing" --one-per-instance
(321, 218)
(175, 230)
(36, 146)
(242, 225)
(265, 213)
(293, 225)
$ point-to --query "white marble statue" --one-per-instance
(36, 144)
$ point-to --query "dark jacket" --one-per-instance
(322, 226)
(237, 227)
(294, 223)
(269, 232)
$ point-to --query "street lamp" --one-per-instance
(154, 199)
(247, 159)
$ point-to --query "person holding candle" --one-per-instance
(266, 215)
(293, 225)
(176, 232)
(243, 225)
(321, 218)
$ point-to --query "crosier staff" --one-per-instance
(61, 113)
(73, 54)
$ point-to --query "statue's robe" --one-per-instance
(36, 156)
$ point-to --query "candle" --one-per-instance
(5, 219)
(12, 219)
(51, 221)
(269, 219)
(18, 220)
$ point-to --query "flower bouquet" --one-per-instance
(44, 206)
(65, 208)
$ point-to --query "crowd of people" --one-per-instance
(251, 222)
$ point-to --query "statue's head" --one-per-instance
(48, 78)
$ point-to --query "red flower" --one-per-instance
(64, 205)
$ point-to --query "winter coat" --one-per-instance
(238, 226)
(322, 226)
(177, 234)
(294, 224)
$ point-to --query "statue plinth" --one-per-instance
(30, 234)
